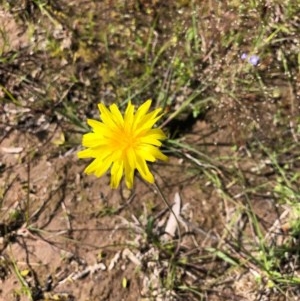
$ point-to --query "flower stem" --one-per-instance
(171, 210)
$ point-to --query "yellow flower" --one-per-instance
(123, 143)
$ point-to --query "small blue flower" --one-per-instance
(252, 59)
(244, 56)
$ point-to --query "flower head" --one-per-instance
(254, 60)
(123, 143)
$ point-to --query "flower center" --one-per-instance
(126, 140)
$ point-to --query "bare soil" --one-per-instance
(76, 224)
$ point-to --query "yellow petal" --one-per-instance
(152, 137)
(97, 126)
(129, 173)
(144, 170)
(147, 121)
(141, 112)
(107, 116)
(93, 140)
(116, 155)
(117, 116)
(103, 167)
(116, 174)
(86, 153)
(128, 117)
(131, 158)
(151, 153)
(100, 152)
(93, 166)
